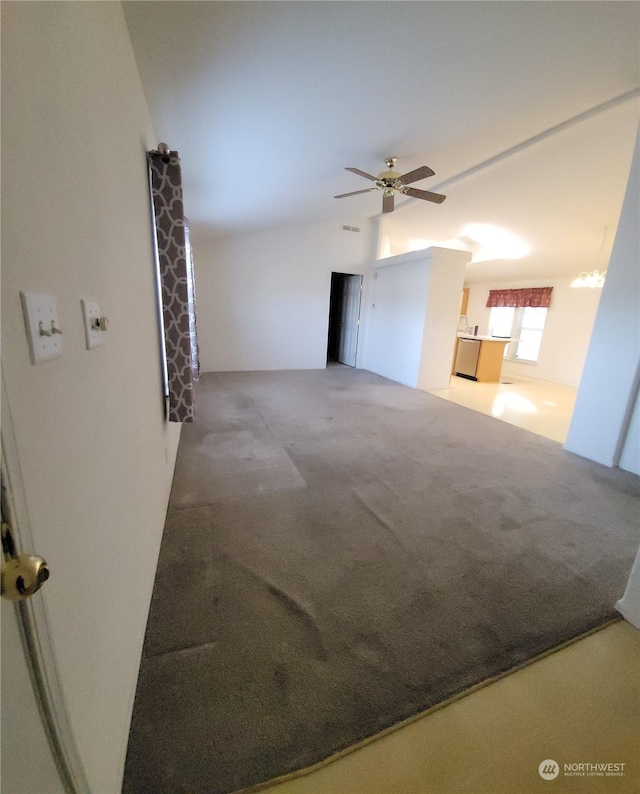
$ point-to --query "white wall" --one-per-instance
(95, 453)
(630, 455)
(412, 313)
(608, 388)
(567, 328)
(263, 298)
(394, 333)
(444, 292)
(629, 604)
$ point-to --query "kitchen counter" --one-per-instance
(481, 361)
(485, 338)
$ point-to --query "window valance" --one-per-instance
(530, 296)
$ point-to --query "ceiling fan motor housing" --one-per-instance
(389, 180)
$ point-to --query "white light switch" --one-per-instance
(43, 326)
(91, 313)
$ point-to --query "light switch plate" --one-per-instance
(91, 312)
(41, 314)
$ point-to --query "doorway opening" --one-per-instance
(344, 318)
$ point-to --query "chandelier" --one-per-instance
(593, 279)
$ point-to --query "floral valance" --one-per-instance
(530, 296)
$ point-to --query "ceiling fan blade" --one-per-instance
(387, 203)
(419, 173)
(356, 192)
(427, 195)
(362, 173)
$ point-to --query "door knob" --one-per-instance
(22, 575)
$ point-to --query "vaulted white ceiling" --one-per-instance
(268, 102)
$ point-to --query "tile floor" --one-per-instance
(540, 406)
(580, 705)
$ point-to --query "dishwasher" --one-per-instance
(467, 358)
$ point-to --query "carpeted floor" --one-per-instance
(342, 552)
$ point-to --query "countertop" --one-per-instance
(484, 338)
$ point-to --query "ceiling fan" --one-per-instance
(391, 181)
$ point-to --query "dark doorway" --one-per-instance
(344, 318)
(335, 315)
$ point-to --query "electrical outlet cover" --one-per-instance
(91, 312)
(40, 319)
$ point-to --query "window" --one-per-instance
(531, 319)
(501, 321)
(525, 325)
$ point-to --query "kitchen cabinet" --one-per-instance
(479, 358)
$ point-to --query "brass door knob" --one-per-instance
(23, 576)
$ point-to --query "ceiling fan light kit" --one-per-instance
(391, 181)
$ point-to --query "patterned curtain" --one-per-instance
(531, 296)
(191, 289)
(176, 280)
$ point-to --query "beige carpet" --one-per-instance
(342, 552)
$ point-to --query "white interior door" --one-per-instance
(350, 320)
(27, 762)
(39, 755)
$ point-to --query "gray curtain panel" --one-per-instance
(177, 285)
(191, 288)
